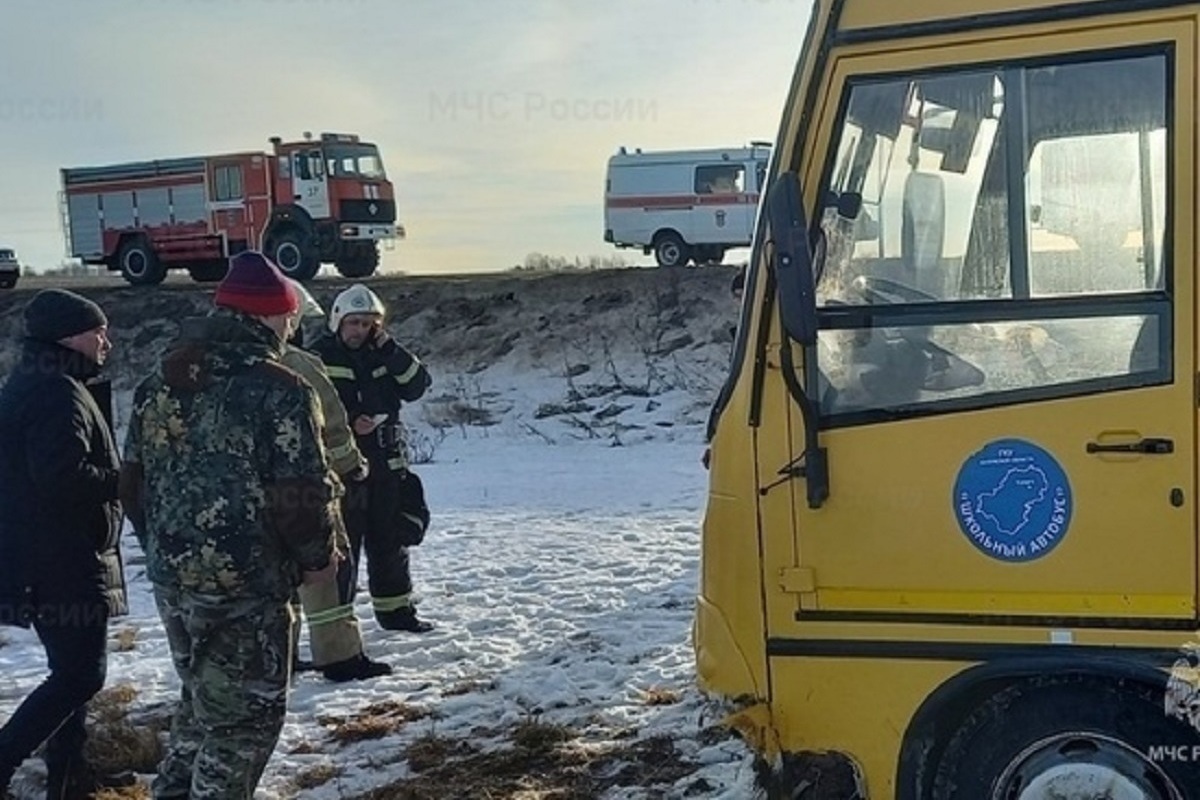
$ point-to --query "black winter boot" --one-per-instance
(6, 776)
(78, 781)
(402, 619)
(357, 668)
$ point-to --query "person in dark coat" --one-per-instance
(60, 563)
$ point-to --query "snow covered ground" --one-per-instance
(561, 579)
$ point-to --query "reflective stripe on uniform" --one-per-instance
(409, 373)
(379, 372)
(397, 463)
(392, 603)
(330, 615)
(339, 373)
(345, 450)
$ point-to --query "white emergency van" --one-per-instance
(10, 268)
(684, 205)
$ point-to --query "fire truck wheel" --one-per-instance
(209, 273)
(359, 264)
(294, 253)
(670, 250)
(139, 264)
(1070, 736)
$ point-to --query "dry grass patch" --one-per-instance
(545, 762)
(304, 748)
(432, 750)
(315, 776)
(122, 737)
(467, 687)
(540, 736)
(661, 696)
(126, 640)
(372, 722)
(113, 703)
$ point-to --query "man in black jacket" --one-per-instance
(60, 522)
(386, 513)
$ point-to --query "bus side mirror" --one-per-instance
(792, 259)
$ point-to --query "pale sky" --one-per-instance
(494, 119)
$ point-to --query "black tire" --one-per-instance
(670, 250)
(7, 283)
(209, 273)
(139, 264)
(1031, 734)
(708, 254)
(294, 252)
(360, 261)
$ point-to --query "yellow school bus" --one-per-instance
(950, 543)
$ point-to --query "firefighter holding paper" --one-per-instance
(385, 514)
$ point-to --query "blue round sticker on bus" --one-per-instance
(1013, 501)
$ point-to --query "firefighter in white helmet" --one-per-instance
(385, 514)
(334, 635)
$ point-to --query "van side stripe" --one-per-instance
(680, 200)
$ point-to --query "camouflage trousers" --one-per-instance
(234, 659)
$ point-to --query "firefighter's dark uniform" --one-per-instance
(371, 381)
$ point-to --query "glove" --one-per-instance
(360, 473)
(326, 574)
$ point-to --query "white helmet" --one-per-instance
(358, 299)
(309, 307)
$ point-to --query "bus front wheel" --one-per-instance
(1070, 736)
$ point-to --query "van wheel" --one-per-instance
(139, 264)
(1070, 736)
(670, 251)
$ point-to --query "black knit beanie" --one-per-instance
(55, 314)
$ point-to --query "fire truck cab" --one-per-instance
(304, 203)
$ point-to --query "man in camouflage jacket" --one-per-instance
(227, 484)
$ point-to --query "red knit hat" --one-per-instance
(255, 286)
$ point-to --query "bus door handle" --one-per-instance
(1152, 446)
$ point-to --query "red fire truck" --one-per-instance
(305, 203)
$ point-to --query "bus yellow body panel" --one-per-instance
(950, 547)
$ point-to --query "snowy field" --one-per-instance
(561, 579)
